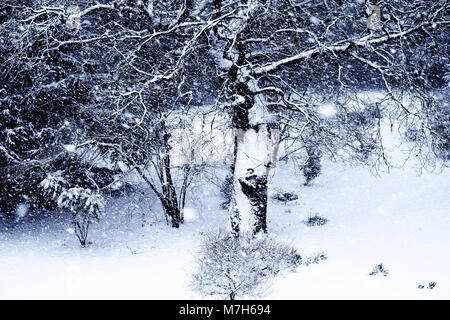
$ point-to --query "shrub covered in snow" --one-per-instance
(284, 196)
(230, 267)
(315, 258)
(53, 184)
(379, 269)
(315, 220)
(430, 286)
(85, 206)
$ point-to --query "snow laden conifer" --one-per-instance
(85, 205)
(53, 184)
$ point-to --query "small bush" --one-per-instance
(431, 285)
(85, 207)
(315, 258)
(229, 267)
(285, 196)
(315, 220)
(379, 269)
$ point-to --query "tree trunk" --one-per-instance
(255, 155)
(169, 200)
(253, 149)
(248, 207)
(162, 166)
(173, 212)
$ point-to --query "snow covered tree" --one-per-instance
(272, 54)
(103, 101)
(47, 103)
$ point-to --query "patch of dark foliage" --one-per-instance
(315, 220)
(379, 269)
(285, 196)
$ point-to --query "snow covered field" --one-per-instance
(399, 219)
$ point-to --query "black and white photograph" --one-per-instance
(243, 150)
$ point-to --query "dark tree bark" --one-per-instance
(255, 188)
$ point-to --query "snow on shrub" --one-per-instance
(229, 267)
(315, 220)
(53, 184)
(284, 196)
(315, 258)
(81, 199)
(431, 285)
(379, 269)
(85, 207)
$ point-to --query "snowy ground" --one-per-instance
(401, 220)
